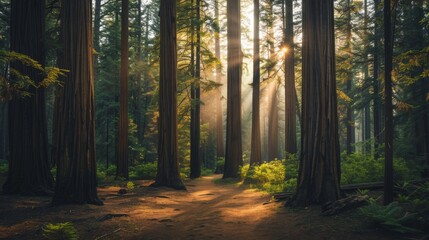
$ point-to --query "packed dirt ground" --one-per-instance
(207, 210)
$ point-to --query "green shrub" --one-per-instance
(206, 172)
(144, 171)
(130, 186)
(4, 167)
(359, 168)
(269, 176)
(60, 231)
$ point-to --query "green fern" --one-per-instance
(390, 217)
(60, 231)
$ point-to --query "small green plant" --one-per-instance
(130, 186)
(144, 171)
(390, 217)
(4, 167)
(268, 177)
(60, 231)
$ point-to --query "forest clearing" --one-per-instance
(207, 210)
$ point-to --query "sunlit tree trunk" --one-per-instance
(219, 113)
(195, 108)
(255, 154)
(28, 140)
(138, 101)
(168, 173)
(388, 154)
(233, 157)
(76, 180)
(290, 91)
(122, 167)
(319, 168)
(366, 121)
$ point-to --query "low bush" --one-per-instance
(4, 166)
(145, 171)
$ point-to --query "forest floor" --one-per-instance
(207, 210)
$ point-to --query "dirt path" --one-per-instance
(206, 211)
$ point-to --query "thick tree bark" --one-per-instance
(168, 166)
(255, 154)
(195, 108)
(290, 90)
(273, 125)
(319, 168)
(233, 157)
(388, 133)
(74, 152)
(28, 140)
(122, 167)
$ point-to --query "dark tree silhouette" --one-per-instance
(28, 140)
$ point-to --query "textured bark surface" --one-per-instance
(122, 166)
(319, 168)
(28, 140)
(233, 158)
(290, 90)
(74, 138)
(195, 95)
(168, 166)
(255, 154)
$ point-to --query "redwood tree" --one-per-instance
(290, 91)
(122, 167)
(233, 158)
(319, 168)
(168, 166)
(28, 140)
(255, 154)
(74, 151)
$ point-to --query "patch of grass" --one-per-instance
(4, 166)
(60, 231)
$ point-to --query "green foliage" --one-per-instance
(220, 162)
(143, 171)
(390, 217)
(60, 231)
(206, 172)
(4, 166)
(19, 86)
(130, 186)
(359, 168)
(269, 176)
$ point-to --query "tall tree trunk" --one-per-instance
(319, 168)
(378, 125)
(350, 118)
(97, 23)
(122, 168)
(255, 154)
(219, 113)
(273, 123)
(233, 124)
(168, 173)
(290, 91)
(388, 154)
(366, 133)
(139, 117)
(28, 140)
(195, 108)
(76, 180)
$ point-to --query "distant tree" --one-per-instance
(29, 168)
(319, 167)
(220, 151)
(290, 90)
(233, 157)
(168, 166)
(195, 97)
(74, 131)
(388, 133)
(122, 167)
(255, 154)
